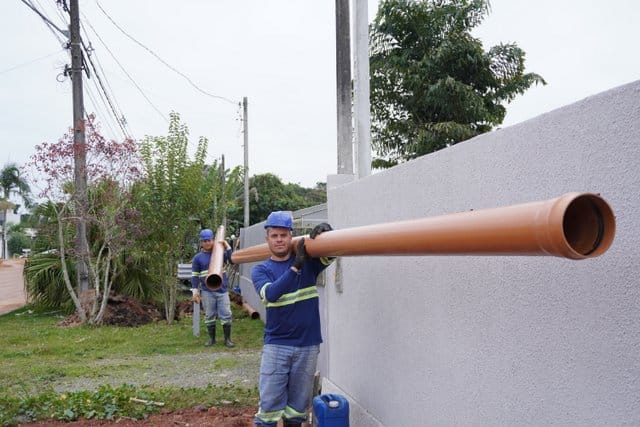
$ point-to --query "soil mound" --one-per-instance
(122, 311)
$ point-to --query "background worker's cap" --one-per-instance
(280, 219)
(206, 234)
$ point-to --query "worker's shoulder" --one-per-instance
(201, 256)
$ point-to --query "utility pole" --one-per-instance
(343, 87)
(245, 125)
(361, 88)
(223, 196)
(79, 146)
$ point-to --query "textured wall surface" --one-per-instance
(500, 341)
(484, 340)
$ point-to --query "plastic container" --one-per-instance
(331, 410)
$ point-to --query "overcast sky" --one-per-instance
(280, 54)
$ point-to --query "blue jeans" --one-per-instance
(216, 305)
(286, 383)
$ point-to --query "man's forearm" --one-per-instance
(278, 288)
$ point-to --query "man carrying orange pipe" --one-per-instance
(216, 303)
(286, 282)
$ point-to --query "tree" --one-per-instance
(270, 194)
(178, 196)
(11, 183)
(18, 240)
(44, 271)
(111, 169)
(432, 83)
(312, 196)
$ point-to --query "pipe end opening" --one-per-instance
(214, 282)
(589, 225)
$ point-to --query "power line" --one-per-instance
(24, 64)
(93, 54)
(96, 106)
(104, 87)
(104, 91)
(53, 26)
(162, 60)
(127, 74)
(46, 20)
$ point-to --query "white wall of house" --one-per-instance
(493, 340)
(11, 219)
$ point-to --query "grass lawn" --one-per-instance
(35, 353)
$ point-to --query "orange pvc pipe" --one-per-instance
(250, 310)
(213, 280)
(575, 226)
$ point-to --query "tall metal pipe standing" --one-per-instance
(575, 226)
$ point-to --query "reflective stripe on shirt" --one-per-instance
(293, 297)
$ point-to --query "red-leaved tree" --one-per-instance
(111, 168)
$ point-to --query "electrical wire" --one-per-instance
(192, 144)
(100, 82)
(24, 64)
(162, 60)
(91, 52)
(96, 107)
(104, 91)
(127, 74)
(50, 24)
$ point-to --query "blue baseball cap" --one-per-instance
(206, 234)
(280, 219)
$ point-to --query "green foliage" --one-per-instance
(269, 193)
(208, 396)
(112, 402)
(45, 283)
(175, 187)
(42, 218)
(134, 278)
(18, 239)
(178, 196)
(110, 229)
(36, 355)
(104, 403)
(432, 83)
(11, 182)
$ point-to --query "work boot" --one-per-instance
(211, 330)
(227, 336)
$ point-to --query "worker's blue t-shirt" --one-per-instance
(200, 269)
(290, 300)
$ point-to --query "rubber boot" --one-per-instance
(211, 330)
(227, 336)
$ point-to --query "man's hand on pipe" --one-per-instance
(319, 229)
(301, 255)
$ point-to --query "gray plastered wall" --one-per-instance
(484, 340)
(488, 340)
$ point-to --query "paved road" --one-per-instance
(12, 294)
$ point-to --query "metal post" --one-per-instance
(343, 88)
(245, 120)
(223, 196)
(361, 88)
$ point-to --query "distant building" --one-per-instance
(6, 217)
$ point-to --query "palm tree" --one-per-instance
(11, 183)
